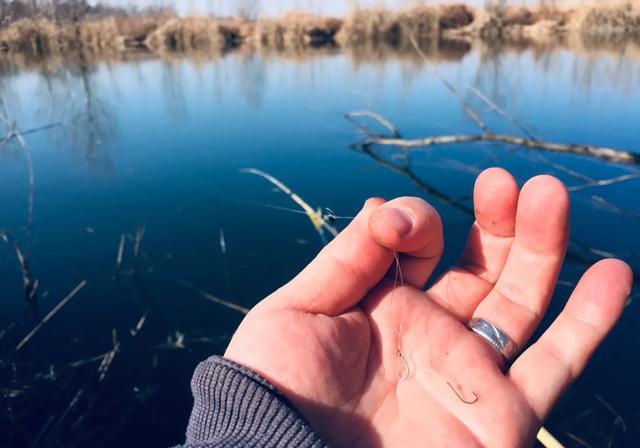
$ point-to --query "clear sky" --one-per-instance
(265, 7)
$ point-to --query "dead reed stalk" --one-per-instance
(50, 314)
(30, 286)
(315, 216)
(227, 304)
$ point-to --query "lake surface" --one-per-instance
(156, 145)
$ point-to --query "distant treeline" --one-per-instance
(52, 26)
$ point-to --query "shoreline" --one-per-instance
(298, 31)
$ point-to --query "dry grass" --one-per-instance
(455, 16)
(100, 34)
(296, 30)
(389, 27)
(191, 33)
(300, 31)
(32, 36)
(608, 19)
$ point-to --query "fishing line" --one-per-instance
(328, 214)
(406, 369)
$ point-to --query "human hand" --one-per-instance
(329, 339)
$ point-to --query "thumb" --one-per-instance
(358, 258)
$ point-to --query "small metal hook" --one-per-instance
(475, 396)
(406, 371)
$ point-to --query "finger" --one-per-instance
(421, 248)
(354, 262)
(550, 365)
(463, 287)
(521, 295)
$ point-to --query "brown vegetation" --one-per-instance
(613, 19)
(191, 33)
(296, 30)
(390, 27)
(162, 31)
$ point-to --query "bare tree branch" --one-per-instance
(601, 152)
(351, 116)
(465, 104)
(604, 182)
(515, 121)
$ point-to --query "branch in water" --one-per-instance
(351, 116)
(601, 152)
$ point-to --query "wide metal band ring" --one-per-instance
(497, 338)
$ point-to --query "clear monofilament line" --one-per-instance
(398, 330)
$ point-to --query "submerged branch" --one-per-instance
(601, 152)
(424, 186)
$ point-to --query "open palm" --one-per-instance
(370, 362)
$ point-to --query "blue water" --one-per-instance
(159, 143)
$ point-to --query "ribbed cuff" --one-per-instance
(235, 407)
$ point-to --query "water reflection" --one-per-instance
(156, 144)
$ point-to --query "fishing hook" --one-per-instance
(406, 371)
(475, 396)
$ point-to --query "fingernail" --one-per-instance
(398, 219)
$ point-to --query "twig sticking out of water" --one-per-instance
(351, 116)
(137, 241)
(614, 208)
(109, 357)
(547, 439)
(15, 133)
(315, 216)
(120, 256)
(222, 241)
(30, 286)
(537, 157)
(605, 182)
(577, 439)
(526, 130)
(467, 108)
(51, 313)
(618, 418)
(143, 319)
(6, 330)
(232, 306)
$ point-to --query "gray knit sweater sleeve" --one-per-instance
(235, 407)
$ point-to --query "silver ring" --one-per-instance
(497, 338)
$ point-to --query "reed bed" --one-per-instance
(192, 33)
(300, 30)
(608, 19)
(296, 30)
